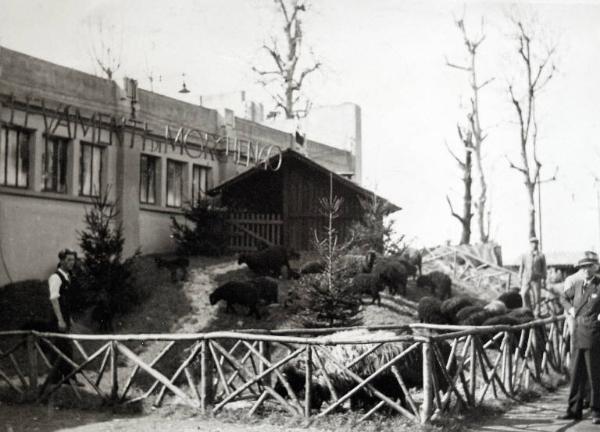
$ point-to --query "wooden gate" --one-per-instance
(248, 231)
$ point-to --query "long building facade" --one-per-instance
(67, 137)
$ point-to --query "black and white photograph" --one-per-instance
(299, 215)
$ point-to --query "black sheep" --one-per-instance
(522, 314)
(451, 306)
(476, 319)
(439, 283)
(415, 258)
(177, 267)
(296, 378)
(411, 269)
(241, 293)
(267, 289)
(312, 267)
(393, 274)
(466, 312)
(368, 283)
(267, 262)
(429, 311)
(512, 299)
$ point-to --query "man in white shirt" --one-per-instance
(59, 285)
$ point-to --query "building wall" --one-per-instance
(50, 100)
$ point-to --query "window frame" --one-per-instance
(204, 191)
(81, 171)
(66, 142)
(182, 165)
(156, 179)
(22, 167)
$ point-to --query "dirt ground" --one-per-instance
(37, 418)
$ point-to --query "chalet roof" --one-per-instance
(290, 154)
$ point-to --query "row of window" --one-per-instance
(14, 163)
(15, 157)
(149, 181)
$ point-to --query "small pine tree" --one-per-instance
(329, 299)
(208, 233)
(373, 231)
(105, 280)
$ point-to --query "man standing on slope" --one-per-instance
(532, 273)
(583, 295)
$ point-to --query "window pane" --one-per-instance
(49, 168)
(144, 179)
(174, 183)
(152, 162)
(86, 163)
(96, 170)
(61, 165)
(148, 167)
(11, 168)
(3, 155)
(23, 159)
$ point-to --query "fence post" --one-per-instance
(263, 349)
(114, 390)
(308, 383)
(33, 367)
(427, 408)
(206, 389)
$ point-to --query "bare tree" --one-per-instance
(537, 69)
(472, 44)
(106, 47)
(466, 166)
(287, 74)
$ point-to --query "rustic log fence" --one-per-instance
(459, 367)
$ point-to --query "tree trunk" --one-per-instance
(484, 233)
(531, 195)
(465, 238)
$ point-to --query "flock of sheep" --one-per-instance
(369, 274)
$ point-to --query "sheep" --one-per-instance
(312, 267)
(466, 312)
(495, 307)
(522, 314)
(367, 283)
(476, 318)
(295, 375)
(176, 266)
(267, 262)
(410, 368)
(439, 284)
(512, 299)
(429, 311)
(451, 306)
(411, 269)
(415, 258)
(393, 274)
(267, 289)
(235, 292)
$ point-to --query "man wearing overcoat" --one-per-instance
(584, 297)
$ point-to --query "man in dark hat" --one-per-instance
(532, 273)
(584, 297)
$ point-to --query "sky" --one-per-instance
(389, 58)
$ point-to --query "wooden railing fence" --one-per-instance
(434, 370)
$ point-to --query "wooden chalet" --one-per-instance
(282, 207)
